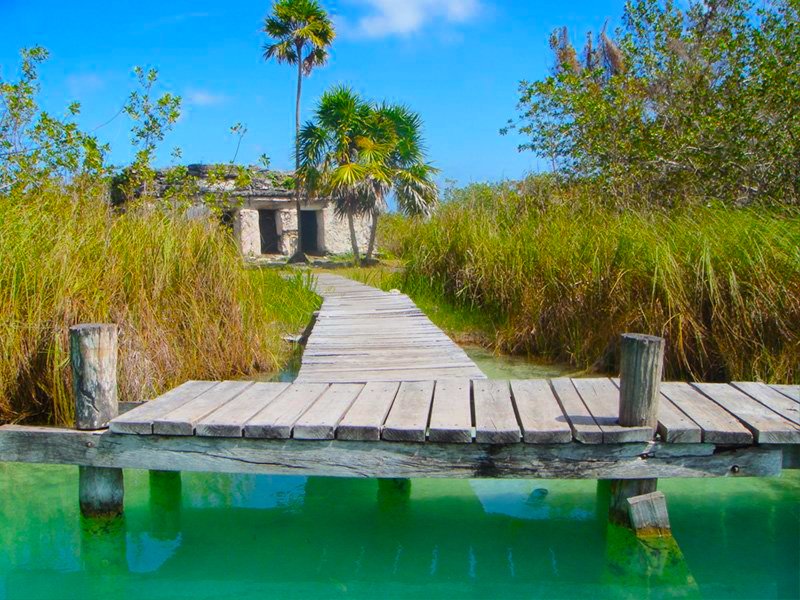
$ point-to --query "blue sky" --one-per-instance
(457, 62)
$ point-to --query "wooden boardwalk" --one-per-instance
(558, 411)
(363, 334)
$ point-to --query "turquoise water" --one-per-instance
(233, 536)
(502, 366)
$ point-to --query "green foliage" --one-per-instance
(564, 276)
(356, 152)
(300, 33)
(685, 105)
(36, 146)
(185, 306)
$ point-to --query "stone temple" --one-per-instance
(264, 216)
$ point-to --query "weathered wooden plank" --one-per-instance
(601, 397)
(790, 391)
(584, 428)
(771, 398)
(495, 419)
(182, 420)
(648, 514)
(229, 419)
(451, 413)
(674, 426)
(540, 415)
(140, 420)
(379, 459)
(718, 425)
(408, 418)
(320, 420)
(767, 426)
(364, 420)
(279, 416)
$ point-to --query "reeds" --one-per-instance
(185, 306)
(564, 278)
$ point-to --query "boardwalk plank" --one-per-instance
(601, 397)
(584, 427)
(408, 417)
(495, 419)
(278, 417)
(182, 420)
(771, 398)
(364, 421)
(541, 417)
(718, 425)
(767, 426)
(140, 420)
(320, 420)
(790, 391)
(229, 419)
(451, 413)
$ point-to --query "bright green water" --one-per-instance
(224, 536)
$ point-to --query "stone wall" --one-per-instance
(247, 232)
(337, 233)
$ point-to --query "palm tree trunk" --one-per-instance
(353, 240)
(373, 231)
(298, 253)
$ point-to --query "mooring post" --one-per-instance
(93, 356)
(641, 368)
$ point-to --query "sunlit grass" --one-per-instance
(562, 279)
(184, 305)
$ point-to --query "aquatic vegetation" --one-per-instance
(185, 305)
(562, 275)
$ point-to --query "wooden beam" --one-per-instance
(337, 458)
(648, 515)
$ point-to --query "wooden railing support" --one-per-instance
(93, 356)
(641, 368)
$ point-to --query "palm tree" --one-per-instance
(300, 34)
(408, 175)
(343, 157)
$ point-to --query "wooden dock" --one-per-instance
(363, 334)
(444, 420)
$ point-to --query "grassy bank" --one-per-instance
(185, 306)
(562, 279)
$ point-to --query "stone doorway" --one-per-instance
(309, 231)
(269, 231)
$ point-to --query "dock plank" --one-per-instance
(771, 398)
(767, 426)
(451, 413)
(279, 416)
(601, 397)
(584, 428)
(319, 422)
(540, 415)
(364, 421)
(229, 419)
(495, 418)
(717, 424)
(182, 420)
(790, 391)
(140, 420)
(408, 418)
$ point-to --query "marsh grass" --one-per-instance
(563, 279)
(184, 305)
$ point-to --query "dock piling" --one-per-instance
(93, 357)
(641, 368)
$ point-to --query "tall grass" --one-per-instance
(185, 306)
(564, 277)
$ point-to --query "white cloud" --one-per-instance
(404, 17)
(204, 98)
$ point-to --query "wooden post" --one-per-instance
(641, 367)
(648, 515)
(93, 355)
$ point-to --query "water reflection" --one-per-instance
(204, 536)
